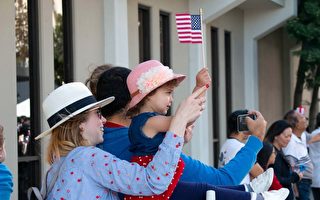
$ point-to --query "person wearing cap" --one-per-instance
(79, 170)
(151, 86)
(279, 134)
(116, 140)
(296, 151)
(6, 183)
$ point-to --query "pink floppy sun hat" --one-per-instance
(148, 76)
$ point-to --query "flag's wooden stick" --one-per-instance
(203, 50)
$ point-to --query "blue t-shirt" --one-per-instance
(6, 183)
(116, 141)
(141, 145)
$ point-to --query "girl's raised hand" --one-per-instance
(203, 78)
(188, 111)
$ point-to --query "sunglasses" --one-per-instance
(98, 111)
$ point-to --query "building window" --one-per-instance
(144, 33)
(215, 95)
(28, 117)
(228, 63)
(62, 38)
(28, 79)
(165, 38)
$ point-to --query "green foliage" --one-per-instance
(58, 50)
(305, 28)
(21, 29)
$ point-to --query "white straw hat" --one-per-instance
(66, 102)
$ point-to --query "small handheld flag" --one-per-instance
(189, 28)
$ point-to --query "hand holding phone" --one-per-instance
(258, 126)
(241, 122)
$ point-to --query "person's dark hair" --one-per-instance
(232, 121)
(276, 129)
(318, 120)
(291, 118)
(113, 82)
(264, 155)
(92, 81)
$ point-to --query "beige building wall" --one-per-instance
(88, 37)
(270, 65)
(277, 68)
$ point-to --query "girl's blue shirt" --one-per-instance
(141, 145)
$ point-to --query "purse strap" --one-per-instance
(45, 191)
(41, 195)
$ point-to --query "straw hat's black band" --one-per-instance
(66, 111)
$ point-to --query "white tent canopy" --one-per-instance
(23, 108)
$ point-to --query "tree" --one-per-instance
(21, 28)
(58, 50)
(305, 28)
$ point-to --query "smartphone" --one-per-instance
(241, 122)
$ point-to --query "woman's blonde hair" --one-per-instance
(66, 137)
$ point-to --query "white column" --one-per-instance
(251, 73)
(8, 90)
(116, 32)
(201, 138)
(46, 64)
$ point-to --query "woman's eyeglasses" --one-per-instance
(98, 111)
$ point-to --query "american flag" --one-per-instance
(189, 28)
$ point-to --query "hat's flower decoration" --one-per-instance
(154, 78)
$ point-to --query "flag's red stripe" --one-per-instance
(184, 28)
(183, 23)
(183, 19)
(181, 14)
(183, 37)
